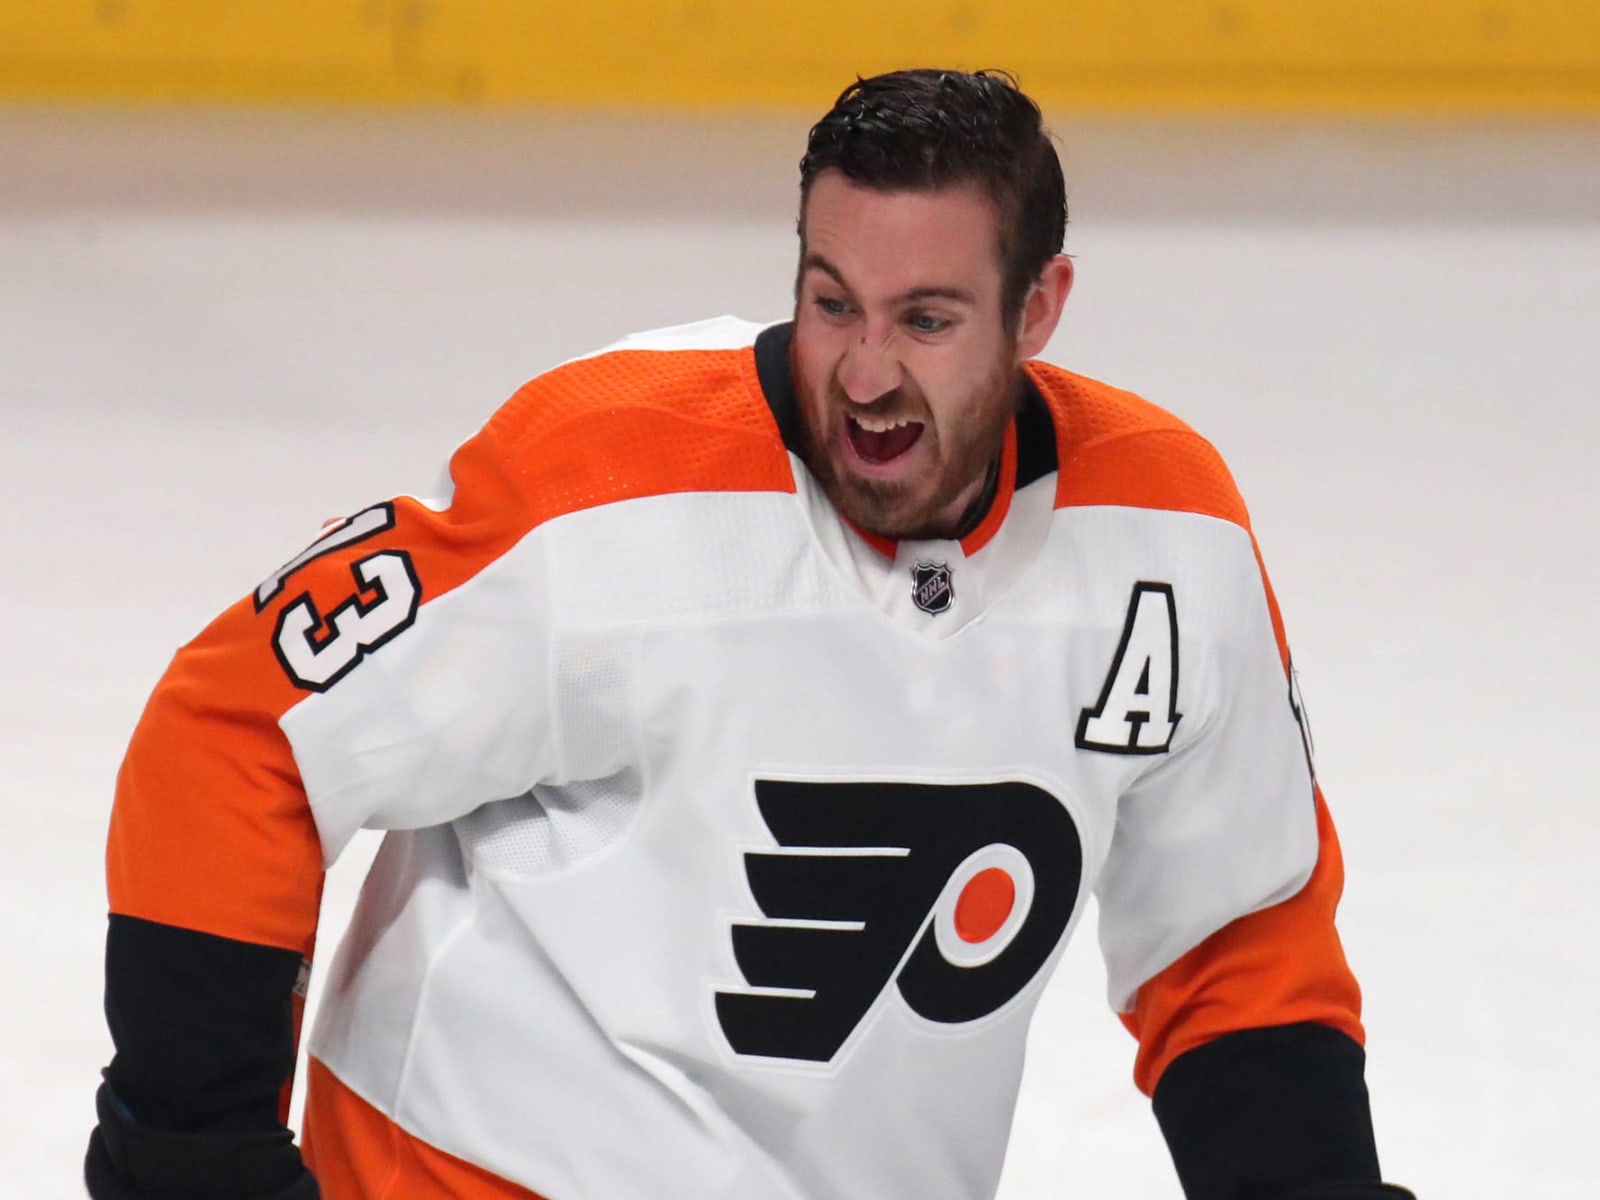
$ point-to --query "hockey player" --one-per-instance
(752, 713)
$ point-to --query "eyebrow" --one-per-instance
(819, 262)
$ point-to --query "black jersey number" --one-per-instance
(318, 650)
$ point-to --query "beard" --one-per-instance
(961, 454)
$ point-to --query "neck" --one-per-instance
(973, 516)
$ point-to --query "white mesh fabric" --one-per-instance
(593, 701)
(553, 826)
(550, 828)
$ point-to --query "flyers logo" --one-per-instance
(956, 894)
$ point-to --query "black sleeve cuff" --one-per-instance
(1271, 1114)
(128, 1161)
(204, 1026)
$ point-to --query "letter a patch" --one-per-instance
(1138, 707)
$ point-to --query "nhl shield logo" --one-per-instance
(931, 590)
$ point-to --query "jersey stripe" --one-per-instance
(357, 1153)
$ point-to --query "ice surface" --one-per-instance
(217, 330)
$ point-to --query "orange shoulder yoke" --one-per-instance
(1116, 448)
(635, 423)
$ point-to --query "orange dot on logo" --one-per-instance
(984, 905)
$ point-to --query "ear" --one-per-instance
(1041, 310)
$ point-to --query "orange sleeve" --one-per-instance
(211, 830)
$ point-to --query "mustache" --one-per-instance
(893, 404)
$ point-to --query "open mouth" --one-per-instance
(879, 439)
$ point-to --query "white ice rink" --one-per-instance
(218, 330)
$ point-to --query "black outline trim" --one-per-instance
(1302, 718)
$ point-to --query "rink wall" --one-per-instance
(1451, 55)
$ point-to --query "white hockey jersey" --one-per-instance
(731, 848)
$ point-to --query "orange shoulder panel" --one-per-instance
(1283, 964)
(1116, 448)
(211, 829)
(640, 423)
(357, 1153)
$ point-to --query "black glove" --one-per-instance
(129, 1161)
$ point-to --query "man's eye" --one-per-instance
(927, 323)
(831, 306)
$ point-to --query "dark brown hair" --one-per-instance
(923, 130)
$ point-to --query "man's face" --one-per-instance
(905, 373)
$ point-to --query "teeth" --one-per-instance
(880, 424)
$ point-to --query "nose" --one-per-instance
(870, 367)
